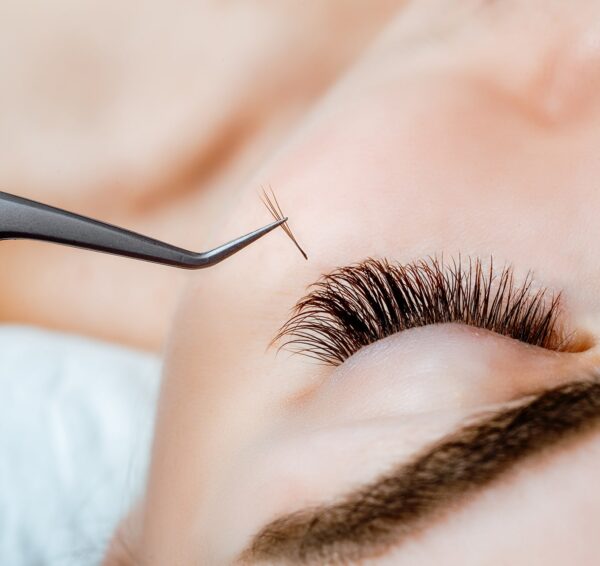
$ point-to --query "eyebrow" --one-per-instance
(370, 520)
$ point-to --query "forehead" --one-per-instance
(540, 528)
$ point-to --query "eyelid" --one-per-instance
(357, 305)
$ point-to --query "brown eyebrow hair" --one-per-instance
(367, 522)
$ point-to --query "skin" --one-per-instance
(479, 143)
(134, 117)
(466, 128)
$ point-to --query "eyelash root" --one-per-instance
(355, 306)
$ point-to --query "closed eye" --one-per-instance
(357, 305)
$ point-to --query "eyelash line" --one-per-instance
(357, 305)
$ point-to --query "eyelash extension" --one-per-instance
(273, 206)
(355, 306)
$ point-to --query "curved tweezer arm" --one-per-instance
(26, 219)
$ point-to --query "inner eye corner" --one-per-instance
(579, 342)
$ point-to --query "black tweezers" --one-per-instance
(22, 218)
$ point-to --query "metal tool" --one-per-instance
(22, 218)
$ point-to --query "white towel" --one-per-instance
(76, 418)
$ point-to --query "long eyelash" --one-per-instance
(354, 306)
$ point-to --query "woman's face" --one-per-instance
(471, 130)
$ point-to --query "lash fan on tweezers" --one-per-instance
(355, 306)
(25, 219)
(273, 206)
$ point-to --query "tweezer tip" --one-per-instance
(273, 225)
(261, 231)
(222, 252)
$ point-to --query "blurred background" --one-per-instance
(149, 115)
